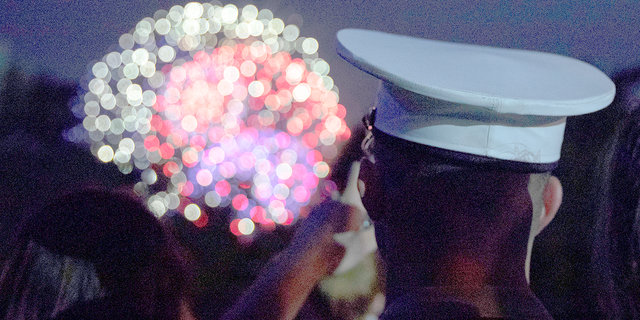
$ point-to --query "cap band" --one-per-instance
(468, 129)
(389, 148)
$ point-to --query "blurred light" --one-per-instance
(149, 176)
(231, 73)
(226, 104)
(223, 188)
(216, 155)
(212, 199)
(229, 14)
(204, 177)
(301, 92)
(263, 166)
(193, 10)
(310, 45)
(294, 73)
(156, 206)
(284, 171)
(92, 109)
(100, 70)
(166, 53)
(113, 60)
(289, 156)
(295, 126)
(258, 214)
(240, 202)
(233, 227)
(333, 123)
(108, 101)
(249, 12)
(163, 26)
(189, 123)
(290, 33)
(310, 140)
(248, 68)
(281, 191)
(148, 69)
(140, 56)
(126, 145)
(327, 83)
(105, 153)
(202, 221)
(227, 169)
(172, 201)
(321, 169)
(313, 157)
(176, 13)
(192, 212)
(126, 41)
(327, 137)
(131, 71)
(246, 226)
(321, 67)
(301, 194)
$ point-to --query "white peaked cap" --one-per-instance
(506, 104)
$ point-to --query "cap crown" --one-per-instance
(500, 79)
(506, 104)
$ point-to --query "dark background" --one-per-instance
(47, 46)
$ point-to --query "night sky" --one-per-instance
(62, 37)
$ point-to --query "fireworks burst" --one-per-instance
(233, 106)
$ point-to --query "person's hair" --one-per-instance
(38, 284)
(140, 267)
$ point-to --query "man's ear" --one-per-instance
(552, 197)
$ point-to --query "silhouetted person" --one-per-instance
(36, 163)
(617, 242)
(457, 178)
(141, 271)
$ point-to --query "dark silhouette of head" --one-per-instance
(616, 245)
(136, 259)
(435, 210)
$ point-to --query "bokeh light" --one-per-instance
(231, 105)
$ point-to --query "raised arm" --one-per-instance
(287, 280)
(285, 283)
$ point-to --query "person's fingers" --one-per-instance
(355, 219)
(361, 188)
(337, 253)
(331, 213)
(352, 151)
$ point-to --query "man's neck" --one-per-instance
(470, 280)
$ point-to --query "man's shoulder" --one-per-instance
(412, 307)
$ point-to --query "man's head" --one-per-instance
(443, 208)
(461, 136)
